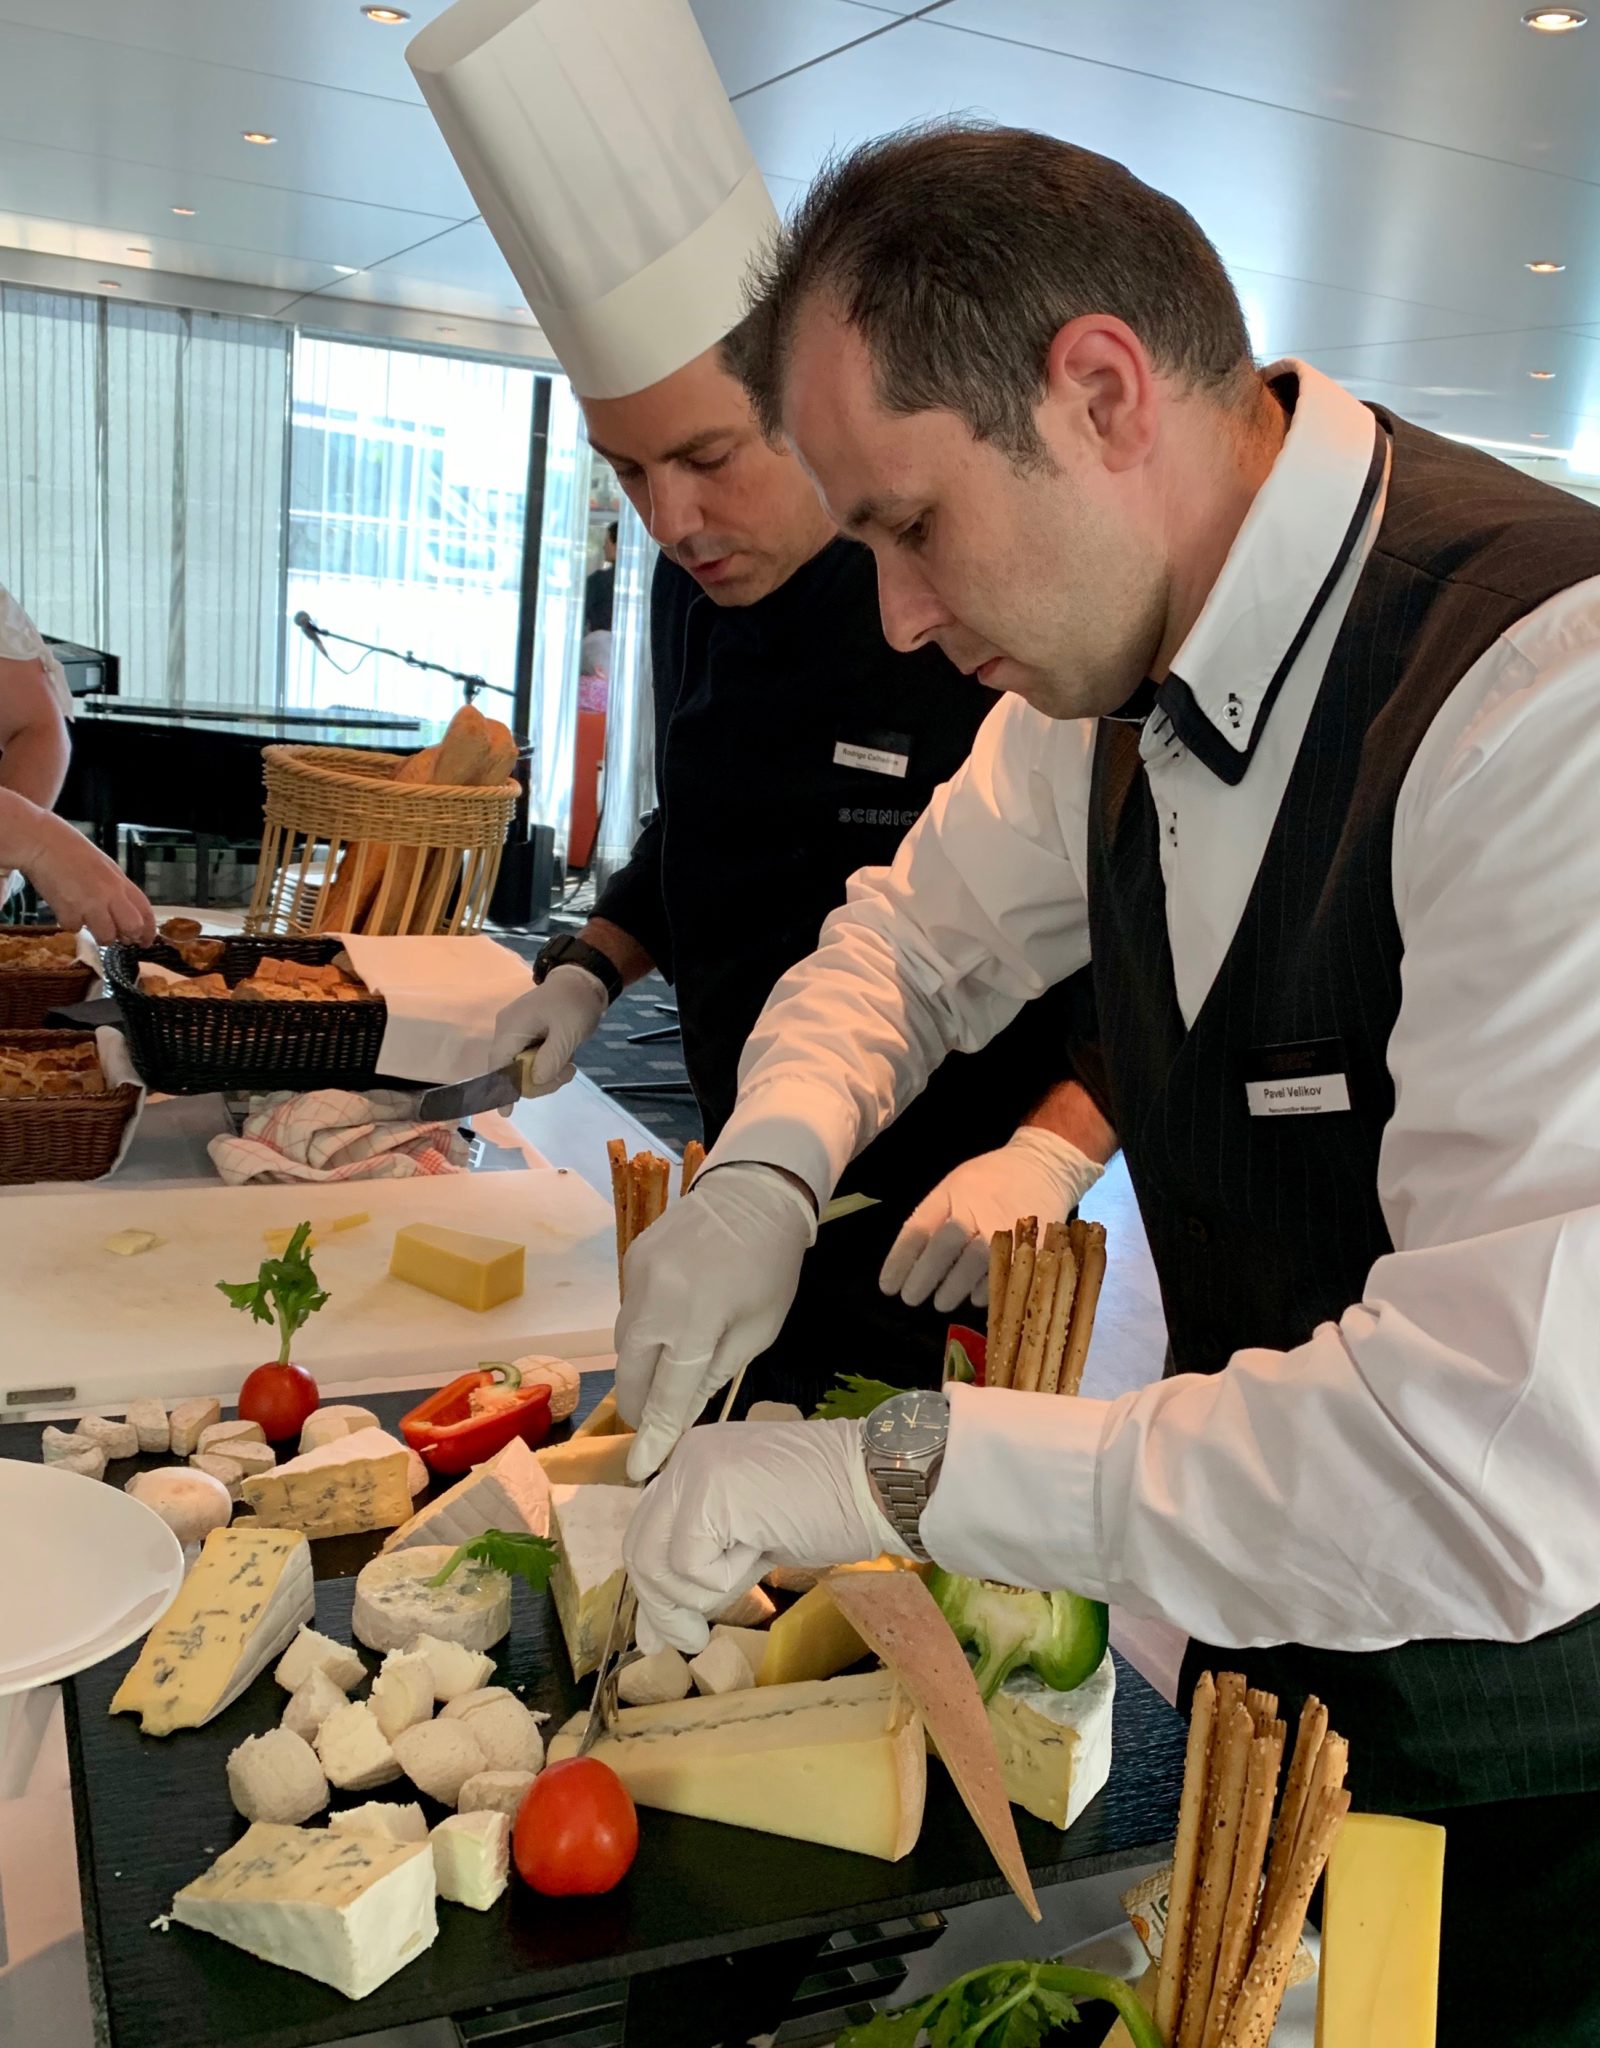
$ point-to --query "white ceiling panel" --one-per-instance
(1291, 316)
(755, 40)
(1480, 384)
(460, 271)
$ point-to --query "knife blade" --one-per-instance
(499, 1090)
(618, 1652)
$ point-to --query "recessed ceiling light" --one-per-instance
(1554, 21)
(444, 330)
(1544, 267)
(259, 136)
(347, 269)
(135, 250)
(109, 284)
(388, 16)
(184, 212)
(1537, 436)
(1541, 376)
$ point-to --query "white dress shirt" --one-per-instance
(1426, 1466)
(21, 640)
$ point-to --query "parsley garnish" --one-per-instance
(285, 1291)
(520, 1556)
(1007, 2005)
(853, 1396)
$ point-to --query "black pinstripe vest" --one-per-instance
(1263, 1227)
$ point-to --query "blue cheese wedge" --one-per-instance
(394, 1601)
(349, 1910)
(588, 1524)
(239, 1608)
(344, 1488)
(509, 1491)
(1055, 1747)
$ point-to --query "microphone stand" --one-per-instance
(470, 685)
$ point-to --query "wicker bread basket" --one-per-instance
(337, 817)
(60, 1137)
(29, 994)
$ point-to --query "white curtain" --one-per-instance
(141, 488)
(558, 621)
(630, 777)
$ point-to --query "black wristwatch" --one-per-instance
(566, 949)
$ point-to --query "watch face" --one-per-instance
(912, 1425)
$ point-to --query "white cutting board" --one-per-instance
(81, 1326)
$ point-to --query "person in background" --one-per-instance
(594, 671)
(600, 589)
(81, 886)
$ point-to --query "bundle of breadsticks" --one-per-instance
(639, 1189)
(1232, 1933)
(1042, 1299)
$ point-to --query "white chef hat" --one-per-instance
(600, 146)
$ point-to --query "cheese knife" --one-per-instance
(619, 1650)
(456, 1100)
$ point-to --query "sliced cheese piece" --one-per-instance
(1054, 1747)
(388, 1818)
(752, 1645)
(474, 1272)
(472, 1857)
(248, 1457)
(587, 1460)
(311, 1651)
(811, 1639)
(86, 1459)
(217, 1436)
(309, 1706)
(649, 1681)
(510, 1491)
(348, 1910)
(1378, 1986)
(346, 1487)
(495, 1792)
(588, 1524)
(439, 1757)
(402, 1692)
(238, 1609)
(276, 1776)
(603, 1419)
(58, 1445)
(324, 1425)
(129, 1244)
(151, 1425)
(819, 1763)
(227, 1471)
(721, 1667)
(504, 1729)
(395, 1602)
(351, 1222)
(116, 1439)
(354, 1750)
(455, 1671)
(187, 1420)
(277, 1241)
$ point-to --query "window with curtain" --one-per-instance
(408, 482)
(141, 464)
(630, 775)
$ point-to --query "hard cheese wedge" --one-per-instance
(587, 1461)
(812, 1639)
(819, 1762)
(345, 1487)
(1055, 1747)
(510, 1491)
(239, 1608)
(588, 1524)
(348, 1910)
(1379, 1980)
(475, 1272)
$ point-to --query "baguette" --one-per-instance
(1002, 1367)
(1230, 1763)
(1091, 1272)
(1185, 1856)
(1239, 1917)
(1036, 1317)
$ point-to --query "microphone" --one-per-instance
(308, 626)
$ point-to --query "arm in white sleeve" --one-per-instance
(983, 909)
(1426, 1466)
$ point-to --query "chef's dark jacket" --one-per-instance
(794, 746)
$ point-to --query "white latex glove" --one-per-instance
(567, 1008)
(81, 886)
(705, 1288)
(736, 1500)
(944, 1248)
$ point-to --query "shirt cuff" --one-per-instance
(786, 1124)
(1016, 1497)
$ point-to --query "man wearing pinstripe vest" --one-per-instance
(1299, 746)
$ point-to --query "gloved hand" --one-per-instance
(567, 1007)
(80, 884)
(944, 1248)
(736, 1500)
(704, 1289)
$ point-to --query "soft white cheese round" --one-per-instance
(394, 1602)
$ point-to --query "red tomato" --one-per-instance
(279, 1397)
(577, 1831)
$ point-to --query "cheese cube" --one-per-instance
(588, 1524)
(354, 1750)
(217, 1436)
(326, 1425)
(86, 1459)
(239, 1608)
(311, 1651)
(495, 1792)
(455, 1670)
(187, 1421)
(386, 1818)
(721, 1667)
(396, 1601)
(474, 1272)
(509, 1491)
(309, 1706)
(348, 1910)
(227, 1470)
(439, 1757)
(751, 1609)
(504, 1729)
(1054, 1747)
(1378, 1986)
(344, 1488)
(128, 1244)
(56, 1446)
(472, 1857)
(151, 1425)
(276, 1776)
(752, 1644)
(116, 1439)
(648, 1681)
(402, 1692)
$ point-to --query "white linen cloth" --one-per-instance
(458, 1007)
(335, 1134)
(1425, 1465)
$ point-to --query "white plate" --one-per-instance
(88, 1569)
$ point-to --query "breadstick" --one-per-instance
(638, 1168)
(1027, 1232)
(1036, 1321)
(657, 1173)
(1255, 2011)
(1057, 1238)
(617, 1153)
(1263, 1709)
(1055, 1343)
(1185, 1855)
(1239, 1918)
(1078, 1233)
(999, 1274)
(1307, 1742)
(694, 1157)
(1091, 1271)
(1230, 1764)
(1327, 1775)
(1003, 1365)
(1230, 1694)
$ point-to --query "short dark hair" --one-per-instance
(959, 251)
(611, 533)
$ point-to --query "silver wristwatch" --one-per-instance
(904, 1442)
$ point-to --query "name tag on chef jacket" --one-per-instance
(1309, 1079)
(875, 753)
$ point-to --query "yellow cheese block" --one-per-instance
(819, 1763)
(812, 1639)
(475, 1272)
(587, 1461)
(1378, 1986)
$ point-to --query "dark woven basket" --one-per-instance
(60, 1137)
(29, 994)
(193, 1045)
